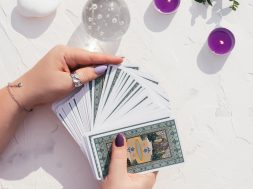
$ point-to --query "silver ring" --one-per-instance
(76, 80)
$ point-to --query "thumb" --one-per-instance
(149, 179)
(87, 74)
(118, 164)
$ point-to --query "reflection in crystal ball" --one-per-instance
(114, 20)
(106, 19)
(94, 6)
(100, 16)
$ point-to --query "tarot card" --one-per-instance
(151, 146)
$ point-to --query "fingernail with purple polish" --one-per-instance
(120, 139)
(100, 69)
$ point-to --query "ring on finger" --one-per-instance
(76, 80)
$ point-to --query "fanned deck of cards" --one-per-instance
(123, 100)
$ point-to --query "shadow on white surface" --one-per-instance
(155, 21)
(81, 39)
(197, 10)
(217, 13)
(44, 144)
(208, 62)
(30, 27)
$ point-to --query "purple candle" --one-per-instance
(167, 6)
(221, 41)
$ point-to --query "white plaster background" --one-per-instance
(211, 96)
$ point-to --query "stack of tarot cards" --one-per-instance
(123, 100)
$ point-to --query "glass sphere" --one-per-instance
(106, 20)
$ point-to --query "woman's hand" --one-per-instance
(50, 78)
(118, 178)
(46, 82)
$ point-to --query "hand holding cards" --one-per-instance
(126, 101)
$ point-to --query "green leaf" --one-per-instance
(200, 1)
(233, 8)
(210, 2)
(234, 5)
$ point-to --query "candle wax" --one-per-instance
(221, 41)
(167, 6)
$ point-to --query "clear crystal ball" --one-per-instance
(106, 20)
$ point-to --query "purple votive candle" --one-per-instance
(221, 41)
(167, 6)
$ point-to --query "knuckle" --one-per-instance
(59, 49)
(88, 76)
(119, 154)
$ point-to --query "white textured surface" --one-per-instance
(212, 96)
(37, 8)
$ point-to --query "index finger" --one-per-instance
(75, 57)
